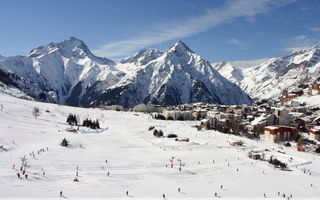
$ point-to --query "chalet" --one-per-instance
(236, 109)
(288, 97)
(316, 85)
(300, 123)
(299, 109)
(314, 133)
(280, 133)
(297, 92)
(208, 122)
(258, 124)
(213, 113)
(317, 120)
(199, 113)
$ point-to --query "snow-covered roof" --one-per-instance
(259, 120)
(272, 127)
(317, 118)
(296, 114)
(306, 119)
(205, 120)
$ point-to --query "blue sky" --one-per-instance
(217, 30)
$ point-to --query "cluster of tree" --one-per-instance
(277, 162)
(159, 116)
(222, 128)
(72, 119)
(287, 144)
(235, 127)
(64, 142)
(91, 124)
(157, 133)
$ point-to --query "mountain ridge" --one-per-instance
(271, 78)
(68, 73)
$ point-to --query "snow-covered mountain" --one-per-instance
(230, 72)
(272, 77)
(174, 77)
(60, 71)
(68, 73)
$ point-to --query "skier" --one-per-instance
(215, 194)
(278, 193)
(221, 186)
(178, 189)
(43, 173)
(26, 176)
(61, 193)
(18, 175)
(77, 174)
(163, 196)
(264, 195)
(127, 193)
(108, 173)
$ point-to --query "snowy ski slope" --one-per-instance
(136, 160)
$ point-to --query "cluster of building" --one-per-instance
(278, 121)
(281, 120)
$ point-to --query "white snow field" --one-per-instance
(136, 160)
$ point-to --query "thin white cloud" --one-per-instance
(236, 42)
(315, 29)
(302, 42)
(295, 49)
(213, 17)
(301, 37)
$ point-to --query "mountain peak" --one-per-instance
(66, 47)
(72, 38)
(143, 56)
(180, 47)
